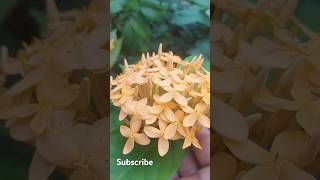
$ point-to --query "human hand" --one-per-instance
(196, 163)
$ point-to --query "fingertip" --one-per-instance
(203, 155)
(188, 166)
(204, 173)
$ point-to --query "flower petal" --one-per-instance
(170, 131)
(142, 103)
(169, 114)
(156, 109)
(122, 115)
(267, 99)
(167, 97)
(165, 82)
(162, 125)
(182, 130)
(202, 108)
(141, 139)
(125, 131)
(63, 120)
(152, 131)
(83, 101)
(144, 114)
(289, 171)
(204, 120)
(21, 131)
(228, 122)
(301, 91)
(40, 168)
(163, 146)
(151, 120)
(179, 115)
(187, 142)
(135, 123)
(41, 119)
(27, 82)
(285, 144)
(263, 172)
(187, 109)
(58, 148)
(128, 147)
(249, 152)
(206, 98)
(180, 99)
(196, 143)
(21, 111)
(67, 96)
(190, 120)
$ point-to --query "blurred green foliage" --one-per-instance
(182, 26)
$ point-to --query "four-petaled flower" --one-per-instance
(133, 135)
(163, 142)
(196, 114)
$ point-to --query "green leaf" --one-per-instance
(203, 3)
(131, 41)
(116, 6)
(140, 27)
(152, 14)
(132, 5)
(163, 167)
(114, 122)
(115, 52)
(113, 35)
(136, 35)
(190, 16)
(152, 10)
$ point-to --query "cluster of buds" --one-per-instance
(266, 94)
(58, 105)
(162, 97)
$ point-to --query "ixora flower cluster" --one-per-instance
(266, 99)
(162, 97)
(58, 105)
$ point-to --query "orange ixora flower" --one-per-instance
(190, 138)
(133, 135)
(165, 95)
(163, 143)
(197, 114)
